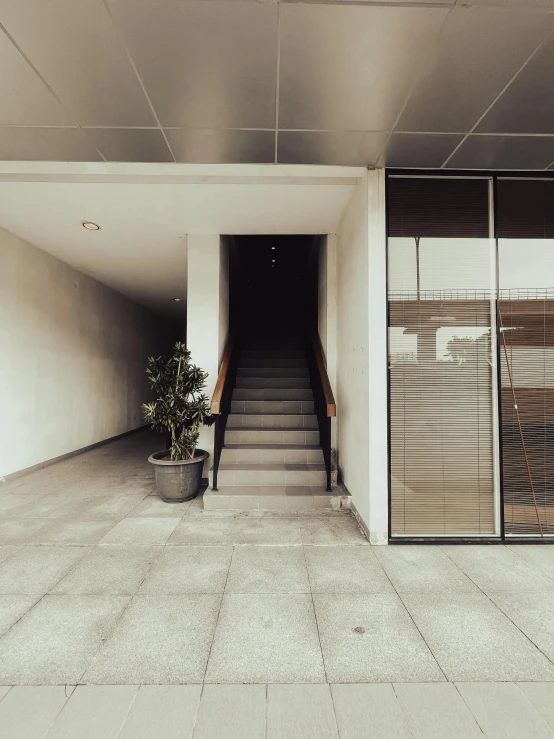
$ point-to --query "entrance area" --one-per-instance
(273, 434)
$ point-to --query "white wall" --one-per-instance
(72, 359)
(207, 314)
(362, 354)
(352, 349)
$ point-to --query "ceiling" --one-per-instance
(146, 211)
(396, 83)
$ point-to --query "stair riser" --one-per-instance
(271, 456)
(272, 406)
(272, 421)
(277, 362)
(267, 353)
(267, 478)
(288, 383)
(272, 372)
(279, 502)
(271, 436)
(272, 393)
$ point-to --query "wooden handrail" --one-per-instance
(322, 370)
(222, 377)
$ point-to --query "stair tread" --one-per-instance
(294, 447)
(273, 467)
(270, 428)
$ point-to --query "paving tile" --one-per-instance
(371, 638)
(160, 639)
(53, 643)
(141, 531)
(28, 713)
(540, 557)
(345, 570)
(109, 571)
(533, 614)
(541, 696)
(20, 531)
(79, 533)
(94, 711)
(12, 504)
(237, 530)
(4, 690)
(240, 709)
(300, 712)
(173, 707)
(13, 607)
(188, 570)
(495, 568)
(34, 570)
(266, 638)
(154, 506)
(436, 711)
(503, 711)
(8, 551)
(422, 569)
(369, 712)
(268, 570)
(473, 640)
(329, 531)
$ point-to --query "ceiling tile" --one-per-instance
(204, 64)
(130, 144)
(477, 53)
(347, 148)
(77, 50)
(419, 149)
(504, 152)
(219, 146)
(46, 144)
(527, 106)
(25, 98)
(350, 67)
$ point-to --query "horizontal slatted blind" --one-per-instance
(525, 209)
(438, 207)
(440, 355)
(527, 371)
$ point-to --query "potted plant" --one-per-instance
(180, 409)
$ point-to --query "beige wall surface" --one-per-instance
(72, 358)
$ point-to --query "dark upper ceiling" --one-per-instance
(398, 83)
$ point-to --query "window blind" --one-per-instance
(525, 209)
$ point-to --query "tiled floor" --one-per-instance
(293, 626)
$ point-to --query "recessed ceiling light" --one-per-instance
(90, 226)
(177, 300)
(273, 248)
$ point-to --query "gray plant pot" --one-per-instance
(178, 481)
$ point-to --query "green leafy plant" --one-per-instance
(180, 408)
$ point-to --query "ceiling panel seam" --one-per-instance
(415, 80)
(497, 98)
(137, 75)
(51, 91)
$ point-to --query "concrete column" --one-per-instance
(377, 355)
(207, 322)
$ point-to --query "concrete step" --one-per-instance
(273, 382)
(272, 406)
(272, 393)
(271, 436)
(276, 498)
(266, 475)
(273, 352)
(273, 420)
(271, 454)
(272, 372)
(272, 362)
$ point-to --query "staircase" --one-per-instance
(271, 459)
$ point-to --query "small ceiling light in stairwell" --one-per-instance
(90, 226)
(273, 248)
(177, 300)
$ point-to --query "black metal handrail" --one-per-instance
(324, 402)
(220, 405)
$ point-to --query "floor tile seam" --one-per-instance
(541, 572)
(18, 548)
(316, 623)
(6, 693)
(128, 712)
(466, 704)
(69, 571)
(517, 684)
(149, 569)
(407, 721)
(216, 622)
(412, 619)
(35, 604)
